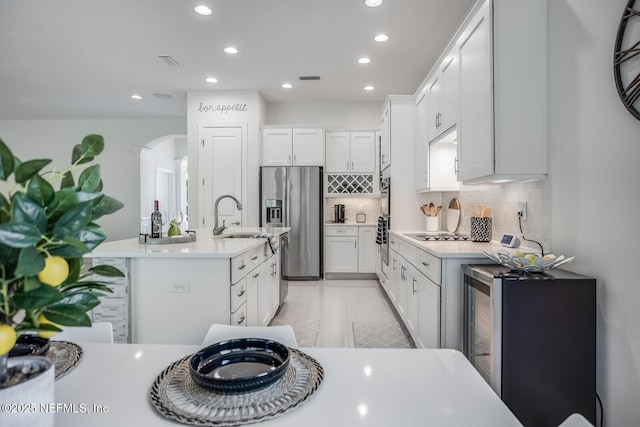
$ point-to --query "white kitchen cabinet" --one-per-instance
(341, 254)
(264, 293)
(412, 301)
(368, 250)
(274, 275)
(350, 152)
(503, 92)
(253, 298)
(292, 147)
(402, 288)
(442, 93)
(385, 136)
(421, 143)
(428, 301)
(443, 163)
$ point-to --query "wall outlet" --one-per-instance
(179, 287)
(522, 210)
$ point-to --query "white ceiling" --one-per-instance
(85, 58)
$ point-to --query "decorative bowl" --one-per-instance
(30, 345)
(239, 365)
(532, 263)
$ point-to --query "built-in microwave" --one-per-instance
(532, 337)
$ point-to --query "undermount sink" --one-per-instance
(238, 235)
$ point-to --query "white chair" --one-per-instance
(283, 334)
(97, 333)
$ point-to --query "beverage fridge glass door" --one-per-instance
(482, 334)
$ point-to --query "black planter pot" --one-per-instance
(30, 345)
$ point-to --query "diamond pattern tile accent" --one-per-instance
(306, 331)
(381, 335)
(349, 184)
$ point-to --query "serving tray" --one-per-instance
(175, 396)
(65, 356)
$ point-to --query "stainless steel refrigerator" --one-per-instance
(291, 196)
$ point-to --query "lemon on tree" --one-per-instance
(55, 271)
(7, 338)
(44, 321)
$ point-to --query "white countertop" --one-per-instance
(361, 387)
(205, 246)
(456, 249)
(352, 224)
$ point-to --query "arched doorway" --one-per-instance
(163, 177)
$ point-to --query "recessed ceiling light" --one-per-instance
(162, 96)
(364, 60)
(202, 10)
(369, 87)
(381, 38)
(212, 80)
(136, 97)
(373, 3)
(231, 50)
(287, 85)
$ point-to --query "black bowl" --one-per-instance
(239, 365)
(30, 345)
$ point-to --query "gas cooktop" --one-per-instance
(441, 236)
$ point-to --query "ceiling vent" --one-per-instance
(303, 78)
(169, 60)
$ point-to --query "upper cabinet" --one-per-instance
(442, 94)
(350, 152)
(292, 147)
(421, 142)
(385, 137)
(502, 126)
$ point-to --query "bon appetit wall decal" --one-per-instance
(221, 108)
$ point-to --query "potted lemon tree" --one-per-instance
(47, 223)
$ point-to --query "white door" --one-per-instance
(420, 146)
(363, 152)
(220, 171)
(475, 127)
(253, 297)
(276, 147)
(435, 102)
(308, 147)
(368, 251)
(428, 312)
(450, 91)
(264, 293)
(385, 131)
(337, 152)
(341, 255)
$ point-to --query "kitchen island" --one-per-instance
(172, 293)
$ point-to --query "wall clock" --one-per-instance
(626, 59)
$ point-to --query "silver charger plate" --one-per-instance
(65, 356)
(177, 397)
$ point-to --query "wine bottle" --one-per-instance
(156, 221)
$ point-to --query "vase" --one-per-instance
(26, 402)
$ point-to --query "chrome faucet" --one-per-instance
(218, 230)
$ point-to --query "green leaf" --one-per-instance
(67, 180)
(28, 169)
(6, 161)
(89, 179)
(67, 198)
(106, 206)
(76, 244)
(90, 284)
(26, 210)
(99, 187)
(45, 327)
(75, 267)
(67, 315)
(77, 156)
(37, 298)
(92, 145)
(30, 262)
(91, 237)
(5, 207)
(31, 283)
(72, 221)
(83, 299)
(106, 271)
(40, 191)
(19, 234)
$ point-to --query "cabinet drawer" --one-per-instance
(429, 265)
(244, 263)
(238, 294)
(342, 231)
(239, 317)
(394, 242)
(407, 250)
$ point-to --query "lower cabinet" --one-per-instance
(428, 302)
(341, 255)
(350, 249)
(253, 299)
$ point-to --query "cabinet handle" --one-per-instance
(341, 231)
(436, 120)
(242, 266)
(241, 293)
(347, 165)
(294, 158)
(426, 264)
(235, 223)
(393, 242)
(383, 156)
(352, 166)
(355, 244)
(402, 269)
(254, 258)
(394, 264)
(414, 285)
(255, 275)
(240, 320)
(455, 165)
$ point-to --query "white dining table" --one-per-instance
(361, 387)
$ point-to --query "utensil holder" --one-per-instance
(480, 229)
(432, 223)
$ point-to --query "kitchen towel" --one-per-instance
(381, 232)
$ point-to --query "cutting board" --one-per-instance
(453, 215)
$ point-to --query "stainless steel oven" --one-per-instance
(385, 212)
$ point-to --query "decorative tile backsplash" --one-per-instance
(370, 206)
(503, 200)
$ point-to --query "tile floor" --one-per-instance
(323, 312)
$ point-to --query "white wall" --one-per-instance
(119, 162)
(365, 115)
(595, 203)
